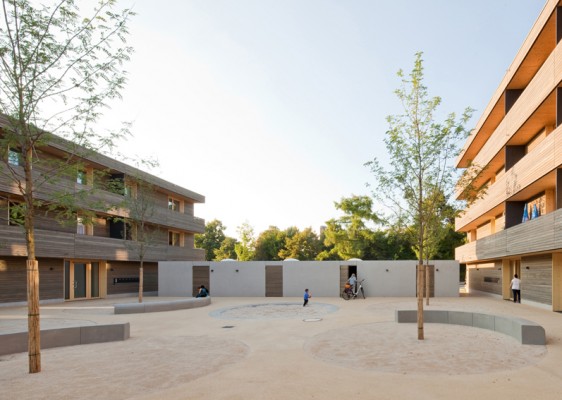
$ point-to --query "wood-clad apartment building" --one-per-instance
(90, 260)
(516, 225)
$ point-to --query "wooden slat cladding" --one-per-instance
(539, 235)
(487, 279)
(13, 279)
(535, 94)
(66, 245)
(536, 278)
(200, 277)
(118, 269)
(274, 281)
(542, 160)
(520, 60)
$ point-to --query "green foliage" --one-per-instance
(212, 239)
(269, 243)
(349, 235)
(58, 69)
(245, 248)
(303, 246)
(227, 250)
(421, 152)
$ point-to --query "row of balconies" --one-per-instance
(52, 244)
(535, 173)
(532, 110)
(162, 215)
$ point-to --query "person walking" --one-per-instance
(515, 286)
(306, 297)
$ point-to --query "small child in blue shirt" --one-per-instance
(306, 297)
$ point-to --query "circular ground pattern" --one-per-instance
(447, 349)
(141, 360)
(275, 311)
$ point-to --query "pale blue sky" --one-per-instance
(271, 108)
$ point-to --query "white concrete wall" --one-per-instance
(322, 278)
(237, 279)
(446, 276)
(175, 278)
(388, 278)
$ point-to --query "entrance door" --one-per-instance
(273, 281)
(81, 280)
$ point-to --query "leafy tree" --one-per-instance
(349, 235)
(245, 248)
(212, 239)
(227, 250)
(269, 243)
(304, 246)
(421, 151)
(57, 71)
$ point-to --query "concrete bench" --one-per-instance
(157, 306)
(525, 331)
(59, 337)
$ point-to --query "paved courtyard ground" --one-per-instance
(273, 348)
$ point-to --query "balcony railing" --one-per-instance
(68, 245)
(538, 235)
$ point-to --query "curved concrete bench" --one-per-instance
(157, 306)
(525, 331)
(59, 337)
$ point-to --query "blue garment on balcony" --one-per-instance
(535, 213)
(525, 213)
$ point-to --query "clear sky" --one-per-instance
(270, 108)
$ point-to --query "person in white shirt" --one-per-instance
(516, 289)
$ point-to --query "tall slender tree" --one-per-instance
(58, 69)
(421, 152)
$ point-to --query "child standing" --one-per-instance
(306, 297)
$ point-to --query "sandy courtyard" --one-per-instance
(273, 348)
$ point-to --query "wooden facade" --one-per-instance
(515, 226)
(97, 256)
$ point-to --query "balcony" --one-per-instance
(543, 234)
(52, 244)
(533, 174)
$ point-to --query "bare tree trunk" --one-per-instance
(33, 317)
(420, 301)
(141, 281)
(33, 320)
(427, 284)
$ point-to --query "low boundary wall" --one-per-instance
(17, 342)
(525, 331)
(158, 306)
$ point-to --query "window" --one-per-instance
(80, 227)
(174, 238)
(81, 177)
(15, 157)
(173, 204)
